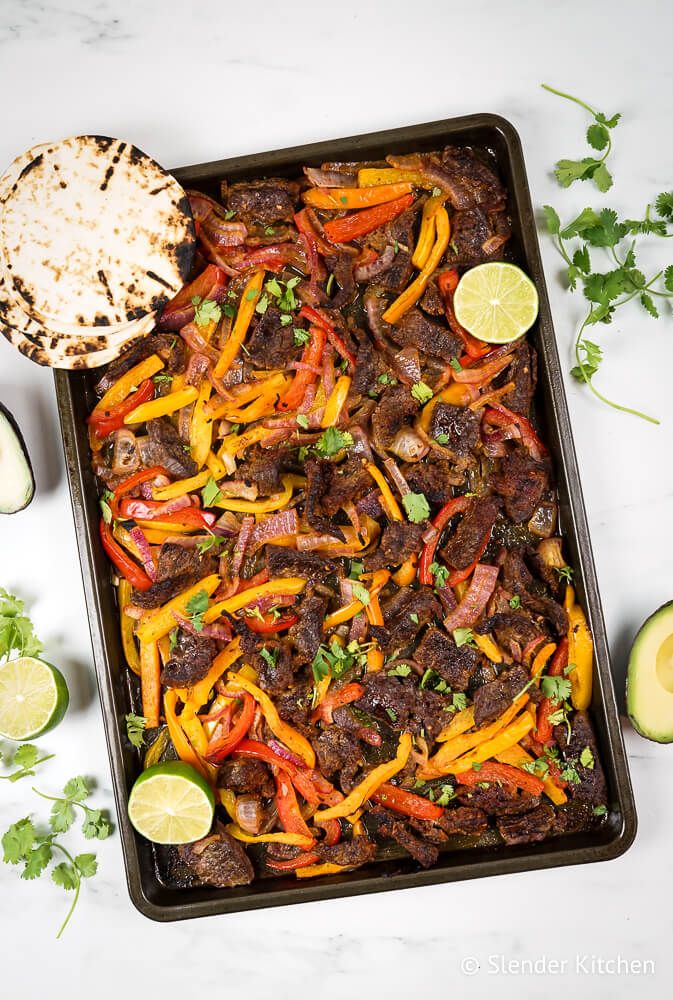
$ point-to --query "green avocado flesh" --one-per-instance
(649, 682)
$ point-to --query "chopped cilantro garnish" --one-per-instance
(300, 337)
(302, 420)
(421, 392)
(332, 441)
(206, 312)
(416, 507)
(210, 494)
(463, 637)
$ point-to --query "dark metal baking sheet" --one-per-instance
(149, 890)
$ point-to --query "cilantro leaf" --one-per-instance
(135, 729)
(361, 594)
(86, 864)
(26, 756)
(668, 278)
(592, 355)
(599, 810)
(211, 494)
(515, 602)
(587, 758)
(211, 542)
(440, 574)
(648, 304)
(552, 220)
(664, 205)
(207, 311)
(459, 701)
(95, 825)
(65, 875)
(569, 171)
(463, 637)
(302, 420)
(602, 178)
(62, 816)
(37, 860)
(16, 629)
(447, 793)
(76, 789)
(597, 136)
(332, 441)
(416, 506)
(197, 605)
(421, 392)
(557, 689)
(300, 337)
(400, 670)
(18, 840)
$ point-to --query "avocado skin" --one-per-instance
(9, 416)
(664, 610)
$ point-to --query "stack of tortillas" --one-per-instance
(95, 238)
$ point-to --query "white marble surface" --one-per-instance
(192, 82)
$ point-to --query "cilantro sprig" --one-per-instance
(95, 825)
(25, 759)
(599, 137)
(17, 635)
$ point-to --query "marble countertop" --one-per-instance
(196, 83)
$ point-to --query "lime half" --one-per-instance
(171, 803)
(496, 302)
(33, 698)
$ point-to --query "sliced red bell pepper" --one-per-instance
(270, 625)
(357, 224)
(311, 356)
(332, 828)
(274, 258)
(457, 505)
(336, 699)
(221, 747)
(310, 784)
(129, 569)
(291, 864)
(544, 729)
(181, 309)
(107, 421)
(401, 801)
(319, 319)
(502, 417)
(304, 223)
(447, 282)
(506, 774)
(150, 510)
(132, 482)
(289, 814)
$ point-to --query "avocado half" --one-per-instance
(649, 681)
(17, 484)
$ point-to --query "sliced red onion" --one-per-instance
(145, 552)
(171, 506)
(369, 735)
(365, 272)
(223, 232)
(330, 178)
(408, 363)
(227, 525)
(285, 522)
(217, 630)
(272, 601)
(361, 446)
(301, 366)
(358, 629)
(475, 600)
(241, 543)
(346, 590)
(282, 751)
(328, 376)
(249, 813)
(396, 475)
(196, 369)
(409, 445)
(194, 339)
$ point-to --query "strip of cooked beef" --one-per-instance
(496, 800)
(491, 700)
(513, 630)
(348, 482)
(306, 634)
(433, 477)
(389, 698)
(282, 561)
(432, 302)
(455, 664)
(191, 659)
(431, 713)
(171, 350)
(163, 446)
(413, 608)
(246, 776)
(477, 235)
(348, 853)
(218, 860)
(517, 579)
(262, 469)
(398, 541)
(463, 819)
(317, 479)
(178, 567)
(270, 344)
(337, 750)
(414, 329)
(467, 542)
(368, 365)
(528, 828)
(521, 481)
(394, 411)
(591, 786)
(340, 265)
(263, 201)
(294, 706)
(400, 234)
(456, 427)
(478, 182)
(388, 825)
(274, 668)
(523, 372)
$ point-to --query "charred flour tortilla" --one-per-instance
(94, 233)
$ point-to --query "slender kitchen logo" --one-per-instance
(546, 965)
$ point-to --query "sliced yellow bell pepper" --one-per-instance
(126, 627)
(246, 310)
(191, 725)
(454, 747)
(200, 427)
(340, 198)
(321, 688)
(314, 871)
(293, 739)
(123, 536)
(516, 756)
(412, 294)
(390, 504)
(506, 738)
(232, 444)
(150, 684)
(215, 466)
(336, 401)
(197, 694)
(228, 800)
(160, 622)
(489, 648)
(162, 406)
(182, 486)
(129, 381)
(279, 585)
(157, 532)
(460, 723)
(407, 571)
(353, 608)
(274, 502)
(374, 176)
(296, 839)
(580, 652)
(183, 747)
(367, 787)
(426, 236)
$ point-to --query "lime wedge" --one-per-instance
(496, 302)
(33, 698)
(171, 803)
